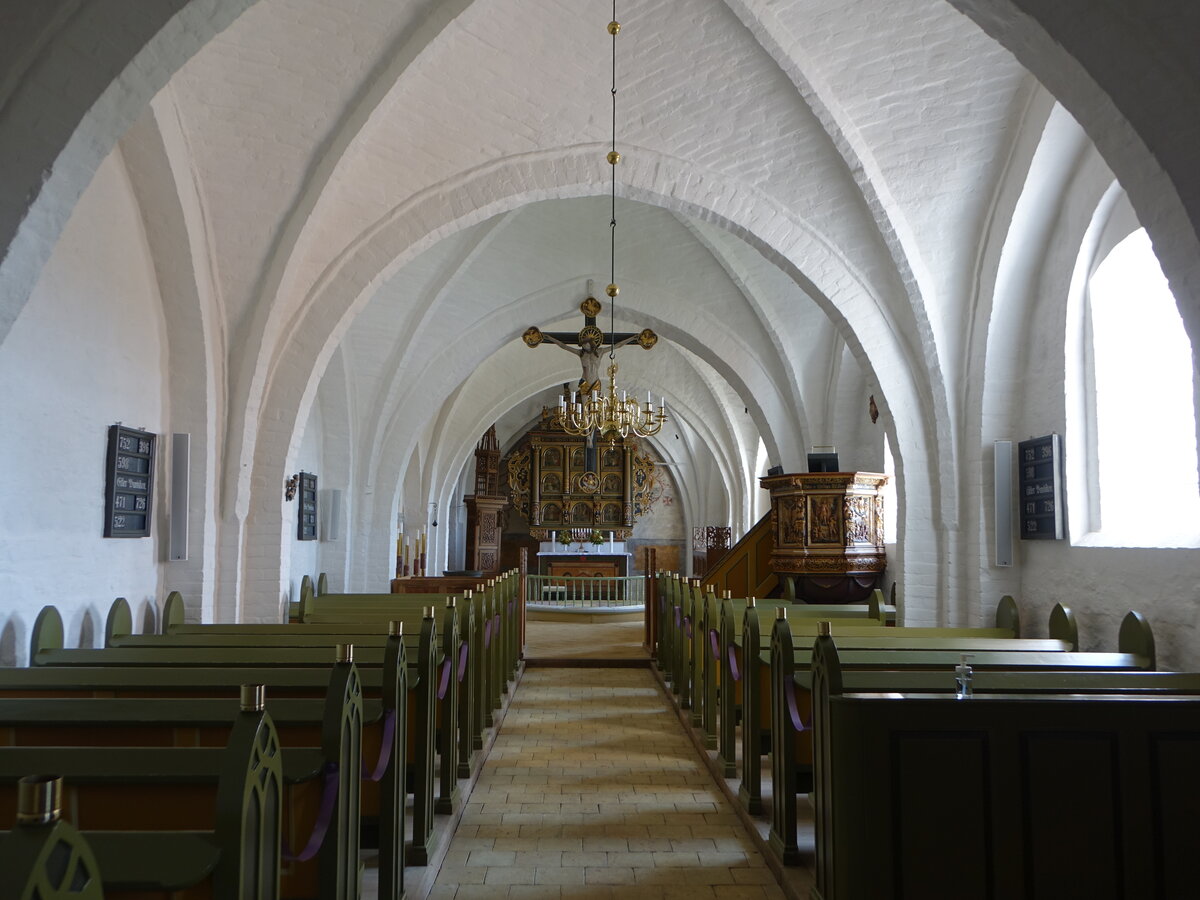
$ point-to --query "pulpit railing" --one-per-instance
(577, 593)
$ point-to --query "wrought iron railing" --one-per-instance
(569, 592)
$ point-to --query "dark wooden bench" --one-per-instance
(1021, 792)
(221, 809)
(791, 704)
(401, 684)
(321, 741)
(757, 669)
(45, 856)
(461, 696)
(689, 616)
(229, 650)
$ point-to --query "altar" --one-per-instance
(607, 560)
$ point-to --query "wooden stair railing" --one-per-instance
(745, 571)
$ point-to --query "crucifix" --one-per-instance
(591, 342)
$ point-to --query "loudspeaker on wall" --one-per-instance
(181, 481)
(1004, 523)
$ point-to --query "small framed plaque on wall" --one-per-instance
(129, 483)
(1039, 461)
(306, 524)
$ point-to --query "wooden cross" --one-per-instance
(591, 340)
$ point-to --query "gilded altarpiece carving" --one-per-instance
(552, 484)
(829, 539)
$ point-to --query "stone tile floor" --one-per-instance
(593, 790)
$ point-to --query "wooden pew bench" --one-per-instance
(791, 701)
(469, 631)
(45, 856)
(500, 596)
(1033, 792)
(750, 672)
(399, 685)
(689, 616)
(46, 649)
(203, 822)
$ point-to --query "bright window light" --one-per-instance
(1145, 423)
(890, 503)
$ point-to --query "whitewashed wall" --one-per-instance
(87, 351)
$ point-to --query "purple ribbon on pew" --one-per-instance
(462, 662)
(789, 693)
(385, 748)
(678, 613)
(511, 604)
(714, 640)
(329, 794)
(687, 625)
(496, 625)
(733, 666)
(445, 683)
(487, 633)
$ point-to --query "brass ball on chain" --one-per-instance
(614, 27)
(613, 157)
(612, 290)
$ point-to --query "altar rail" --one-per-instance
(569, 592)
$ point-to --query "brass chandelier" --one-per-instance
(604, 413)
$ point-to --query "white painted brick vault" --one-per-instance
(347, 214)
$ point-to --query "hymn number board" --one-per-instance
(129, 486)
(1041, 492)
(306, 525)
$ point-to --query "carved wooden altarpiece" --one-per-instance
(562, 483)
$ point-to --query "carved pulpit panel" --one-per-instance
(829, 538)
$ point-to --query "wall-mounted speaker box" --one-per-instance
(181, 486)
(333, 511)
(1004, 521)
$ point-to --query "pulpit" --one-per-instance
(828, 534)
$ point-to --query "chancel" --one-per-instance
(267, 275)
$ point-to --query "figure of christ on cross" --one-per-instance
(591, 343)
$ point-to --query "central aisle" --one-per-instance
(593, 790)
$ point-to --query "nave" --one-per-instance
(593, 790)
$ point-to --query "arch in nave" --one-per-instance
(854, 307)
(1128, 156)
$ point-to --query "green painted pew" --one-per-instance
(502, 618)
(339, 608)
(46, 649)
(44, 856)
(730, 617)
(454, 709)
(404, 682)
(791, 746)
(756, 672)
(874, 614)
(700, 662)
(222, 806)
(1021, 792)
(687, 616)
(320, 739)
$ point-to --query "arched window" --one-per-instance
(1141, 427)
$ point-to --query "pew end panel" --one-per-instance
(174, 612)
(1063, 626)
(204, 822)
(119, 621)
(1137, 637)
(50, 861)
(47, 633)
(1008, 616)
